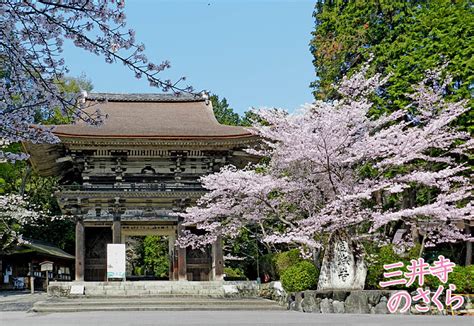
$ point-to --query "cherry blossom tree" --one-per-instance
(14, 212)
(333, 167)
(32, 36)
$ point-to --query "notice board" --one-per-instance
(115, 261)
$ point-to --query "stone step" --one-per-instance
(182, 285)
(156, 308)
(156, 304)
(141, 293)
(156, 300)
(155, 288)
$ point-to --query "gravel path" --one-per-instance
(19, 301)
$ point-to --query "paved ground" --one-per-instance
(190, 318)
(14, 307)
(18, 300)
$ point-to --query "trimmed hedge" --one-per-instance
(286, 259)
(377, 257)
(462, 277)
(234, 274)
(299, 277)
(275, 264)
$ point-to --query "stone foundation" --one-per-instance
(216, 289)
(351, 302)
(326, 302)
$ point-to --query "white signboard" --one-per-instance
(116, 261)
(46, 266)
(77, 290)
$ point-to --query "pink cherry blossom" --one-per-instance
(331, 166)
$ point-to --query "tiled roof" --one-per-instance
(44, 248)
(155, 116)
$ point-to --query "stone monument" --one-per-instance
(343, 266)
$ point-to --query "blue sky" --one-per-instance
(254, 53)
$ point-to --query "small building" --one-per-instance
(129, 176)
(42, 260)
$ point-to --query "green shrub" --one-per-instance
(156, 256)
(138, 270)
(462, 277)
(234, 273)
(286, 259)
(299, 277)
(379, 256)
(375, 262)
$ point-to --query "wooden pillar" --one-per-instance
(171, 244)
(181, 258)
(182, 264)
(175, 266)
(80, 250)
(217, 271)
(32, 278)
(116, 231)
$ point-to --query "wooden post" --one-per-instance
(175, 264)
(80, 250)
(181, 258)
(116, 231)
(32, 278)
(171, 244)
(217, 260)
(32, 284)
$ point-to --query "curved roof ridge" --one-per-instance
(144, 97)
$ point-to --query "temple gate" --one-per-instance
(130, 175)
